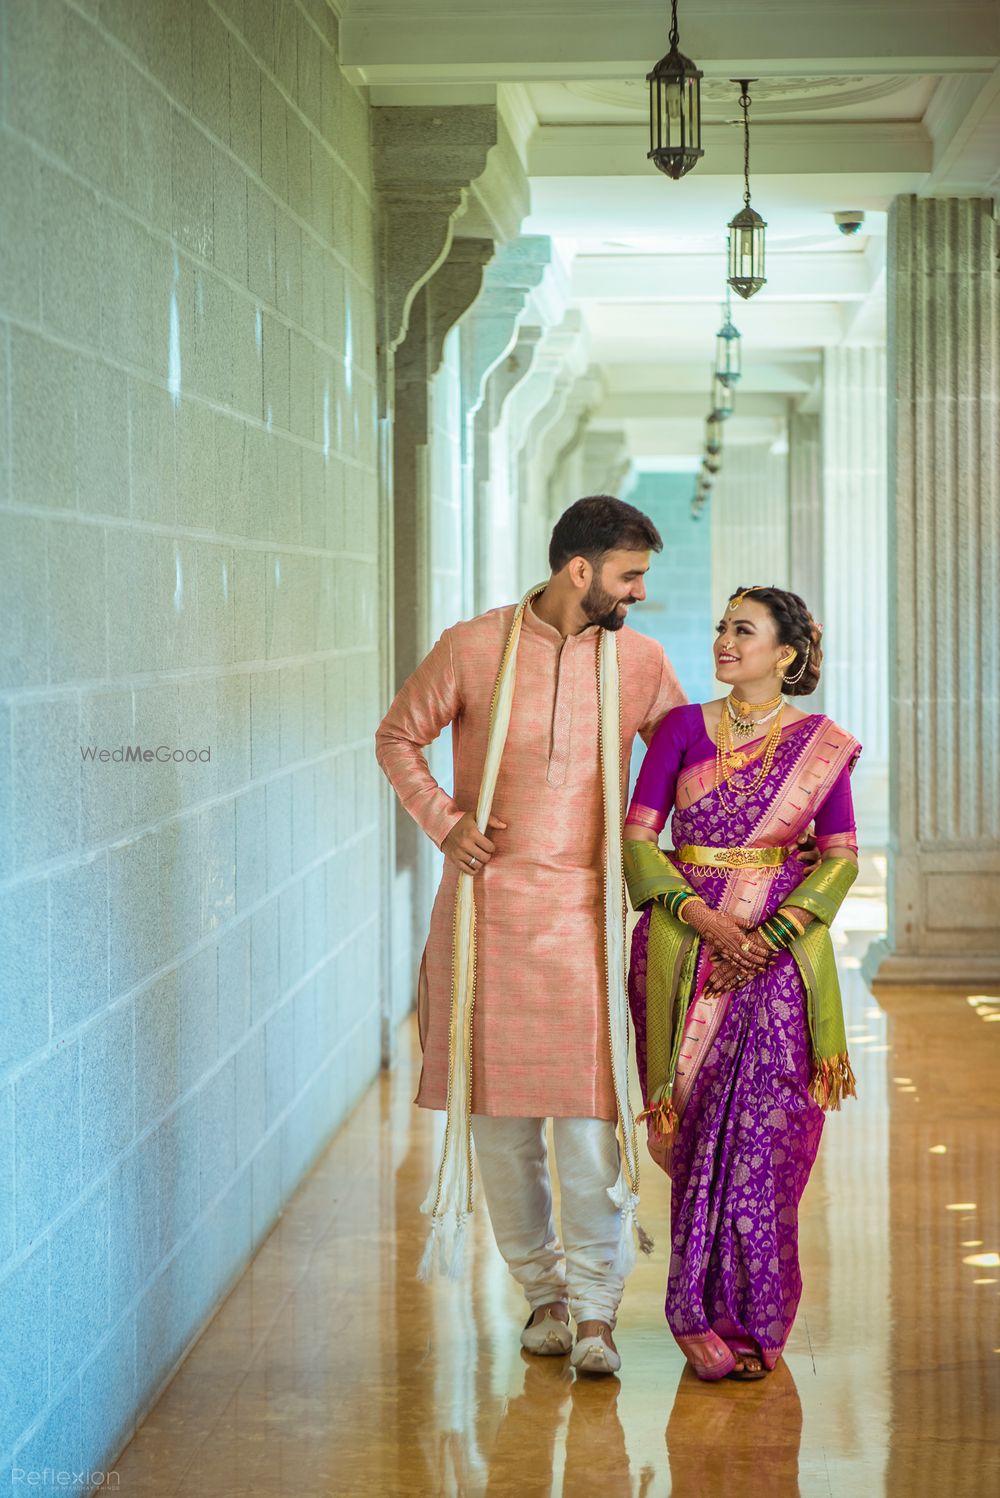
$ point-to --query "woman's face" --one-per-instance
(746, 645)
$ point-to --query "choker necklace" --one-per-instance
(741, 724)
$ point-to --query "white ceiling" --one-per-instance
(856, 101)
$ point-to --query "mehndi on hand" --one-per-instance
(727, 938)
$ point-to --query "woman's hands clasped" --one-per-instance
(737, 954)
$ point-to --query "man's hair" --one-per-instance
(597, 524)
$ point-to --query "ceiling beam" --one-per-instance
(862, 146)
(963, 120)
(815, 276)
(640, 405)
(789, 376)
(403, 41)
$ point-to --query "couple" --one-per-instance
(524, 988)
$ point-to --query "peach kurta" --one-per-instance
(540, 1025)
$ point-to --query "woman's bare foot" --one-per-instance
(748, 1366)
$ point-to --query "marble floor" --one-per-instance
(330, 1371)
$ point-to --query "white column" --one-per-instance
(605, 461)
(488, 333)
(854, 617)
(805, 509)
(944, 592)
(749, 518)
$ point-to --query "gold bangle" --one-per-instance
(682, 907)
(786, 915)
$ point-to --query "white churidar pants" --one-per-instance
(514, 1169)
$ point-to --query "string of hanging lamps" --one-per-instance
(675, 147)
(726, 372)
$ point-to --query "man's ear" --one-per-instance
(580, 572)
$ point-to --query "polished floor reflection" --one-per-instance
(330, 1371)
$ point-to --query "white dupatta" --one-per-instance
(450, 1198)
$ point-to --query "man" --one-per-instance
(541, 1031)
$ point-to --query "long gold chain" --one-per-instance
(728, 759)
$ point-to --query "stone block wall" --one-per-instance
(188, 542)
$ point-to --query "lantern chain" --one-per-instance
(745, 106)
(675, 35)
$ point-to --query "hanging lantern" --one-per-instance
(674, 109)
(728, 348)
(711, 463)
(722, 398)
(746, 229)
(713, 433)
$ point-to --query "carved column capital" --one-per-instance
(424, 161)
(490, 329)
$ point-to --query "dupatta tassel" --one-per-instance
(833, 1079)
(662, 1115)
(444, 1251)
(630, 1231)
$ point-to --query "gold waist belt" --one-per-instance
(733, 858)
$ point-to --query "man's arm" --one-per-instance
(669, 693)
(424, 705)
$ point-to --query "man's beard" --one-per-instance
(601, 607)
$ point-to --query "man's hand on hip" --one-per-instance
(468, 848)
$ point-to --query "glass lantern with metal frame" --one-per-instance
(746, 228)
(675, 109)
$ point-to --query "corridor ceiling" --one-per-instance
(857, 101)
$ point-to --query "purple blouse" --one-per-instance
(681, 740)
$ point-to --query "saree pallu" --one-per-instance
(748, 1123)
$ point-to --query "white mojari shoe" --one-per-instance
(548, 1337)
(593, 1355)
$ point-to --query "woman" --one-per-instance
(733, 986)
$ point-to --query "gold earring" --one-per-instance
(794, 680)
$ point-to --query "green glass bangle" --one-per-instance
(784, 933)
(675, 900)
(775, 934)
(789, 926)
(792, 921)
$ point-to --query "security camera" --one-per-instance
(850, 221)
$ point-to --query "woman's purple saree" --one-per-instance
(748, 1128)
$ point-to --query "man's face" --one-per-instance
(617, 582)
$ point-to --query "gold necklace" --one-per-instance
(749, 707)
(741, 724)
(728, 760)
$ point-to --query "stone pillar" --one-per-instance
(749, 516)
(488, 333)
(805, 511)
(436, 308)
(562, 451)
(855, 637)
(535, 407)
(605, 461)
(433, 168)
(944, 596)
(495, 487)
